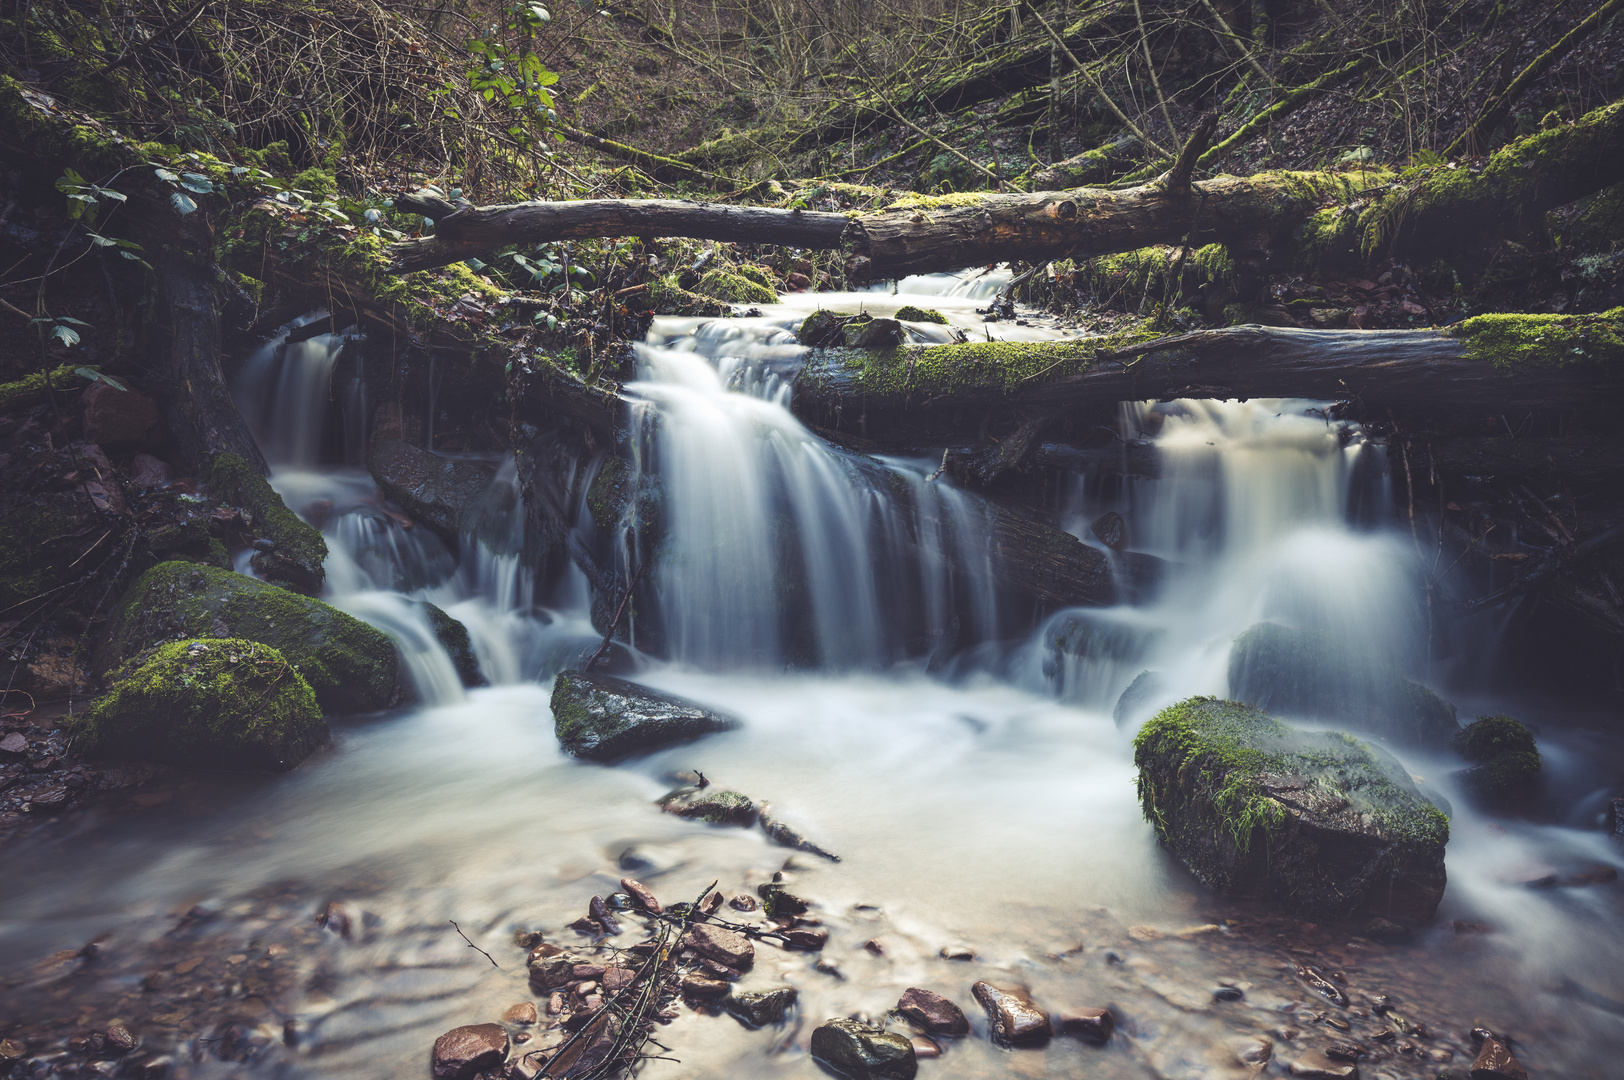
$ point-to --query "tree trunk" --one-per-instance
(1444, 212)
(922, 396)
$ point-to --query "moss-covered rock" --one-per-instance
(822, 328)
(453, 637)
(1306, 673)
(734, 288)
(601, 718)
(1512, 343)
(1326, 824)
(32, 388)
(222, 703)
(715, 807)
(1505, 772)
(352, 667)
(910, 313)
(438, 491)
(611, 492)
(299, 553)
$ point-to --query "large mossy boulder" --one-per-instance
(352, 667)
(220, 703)
(439, 491)
(297, 554)
(1325, 823)
(1308, 674)
(1505, 772)
(601, 718)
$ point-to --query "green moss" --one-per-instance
(40, 539)
(611, 493)
(949, 201)
(453, 637)
(300, 550)
(320, 182)
(1511, 342)
(909, 313)
(666, 297)
(757, 275)
(220, 703)
(31, 388)
(1490, 736)
(996, 365)
(1232, 789)
(351, 666)
(721, 285)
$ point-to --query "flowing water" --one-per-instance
(972, 776)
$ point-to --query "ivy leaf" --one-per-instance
(182, 202)
(67, 335)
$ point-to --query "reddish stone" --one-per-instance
(118, 417)
(933, 1012)
(464, 1051)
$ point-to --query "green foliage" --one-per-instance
(1514, 342)
(31, 388)
(507, 69)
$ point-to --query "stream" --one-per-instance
(973, 779)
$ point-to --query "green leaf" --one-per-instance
(66, 335)
(72, 320)
(109, 193)
(95, 376)
(165, 174)
(101, 241)
(182, 202)
(205, 186)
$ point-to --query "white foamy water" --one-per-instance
(993, 809)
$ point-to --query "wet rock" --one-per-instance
(352, 667)
(1014, 1017)
(438, 491)
(1315, 979)
(724, 946)
(453, 638)
(933, 1012)
(695, 985)
(743, 902)
(874, 334)
(779, 902)
(616, 979)
(1110, 530)
(861, 1052)
(550, 972)
(1075, 641)
(762, 1007)
(115, 418)
(1386, 930)
(1494, 1062)
(1505, 774)
(924, 1049)
(1326, 824)
(601, 718)
(641, 895)
(214, 703)
(119, 1040)
(15, 743)
(1253, 1052)
(1309, 674)
(599, 910)
(1343, 1051)
(12, 1049)
(715, 807)
(524, 1013)
(148, 472)
(298, 557)
(805, 938)
(956, 952)
(1139, 698)
(784, 836)
(1089, 1024)
(1228, 993)
(464, 1051)
(1313, 1065)
(1615, 820)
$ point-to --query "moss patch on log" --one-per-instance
(217, 703)
(910, 313)
(1514, 342)
(34, 386)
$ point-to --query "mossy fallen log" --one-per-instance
(1354, 214)
(920, 395)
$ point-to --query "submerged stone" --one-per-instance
(438, 491)
(1306, 673)
(601, 718)
(351, 666)
(220, 703)
(298, 552)
(1014, 1018)
(762, 1007)
(1506, 763)
(933, 1012)
(464, 1051)
(862, 1052)
(715, 807)
(453, 637)
(1139, 698)
(1325, 823)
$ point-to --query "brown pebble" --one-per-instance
(933, 1012)
(924, 1048)
(1094, 1025)
(522, 1013)
(555, 1004)
(119, 1039)
(1494, 1062)
(875, 946)
(640, 893)
(743, 902)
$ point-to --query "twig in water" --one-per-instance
(614, 624)
(939, 469)
(474, 947)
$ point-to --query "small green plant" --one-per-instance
(508, 70)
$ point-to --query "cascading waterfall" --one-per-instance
(994, 807)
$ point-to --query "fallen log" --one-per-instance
(920, 396)
(1356, 214)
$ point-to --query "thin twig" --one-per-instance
(474, 947)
